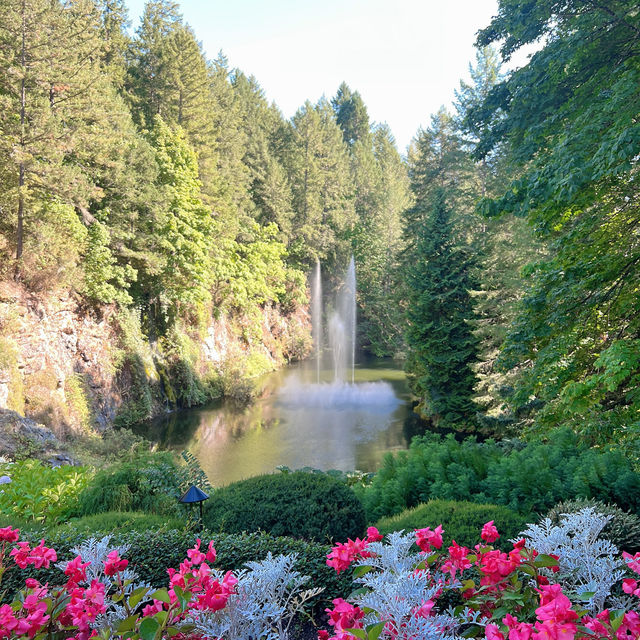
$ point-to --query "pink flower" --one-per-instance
(489, 532)
(152, 609)
(633, 562)
(211, 552)
(345, 616)
(20, 554)
(457, 559)
(323, 635)
(195, 555)
(9, 535)
(114, 564)
(373, 535)
(42, 556)
(492, 632)
(426, 539)
(518, 630)
(76, 570)
(343, 554)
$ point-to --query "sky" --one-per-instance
(405, 58)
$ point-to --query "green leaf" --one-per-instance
(374, 631)
(361, 570)
(358, 633)
(162, 595)
(545, 561)
(127, 624)
(148, 628)
(136, 596)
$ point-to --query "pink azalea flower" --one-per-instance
(211, 552)
(426, 539)
(492, 632)
(9, 535)
(373, 535)
(489, 532)
(114, 564)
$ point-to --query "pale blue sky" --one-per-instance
(404, 57)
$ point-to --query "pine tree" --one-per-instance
(440, 339)
(351, 115)
(52, 87)
(318, 163)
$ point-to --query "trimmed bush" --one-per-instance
(301, 505)
(461, 521)
(623, 530)
(152, 552)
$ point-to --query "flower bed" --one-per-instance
(520, 594)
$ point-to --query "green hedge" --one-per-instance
(300, 505)
(461, 521)
(530, 478)
(152, 552)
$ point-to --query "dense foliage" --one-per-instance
(41, 493)
(461, 520)
(148, 482)
(528, 478)
(568, 121)
(152, 551)
(302, 505)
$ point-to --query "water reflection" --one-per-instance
(232, 443)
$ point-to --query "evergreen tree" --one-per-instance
(318, 163)
(52, 90)
(442, 348)
(351, 115)
(568, 119)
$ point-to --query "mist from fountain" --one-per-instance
(316, 316)
(337, 394)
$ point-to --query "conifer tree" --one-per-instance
(439, 263)
(442, 346)
(52, 87)
(318, 163)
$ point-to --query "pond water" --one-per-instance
(298, 420)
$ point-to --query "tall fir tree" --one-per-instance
(52, 94)
(318, 162)
(442, 348)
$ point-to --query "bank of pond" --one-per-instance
(460, 485)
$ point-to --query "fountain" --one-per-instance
(316, 316)
(342, 391)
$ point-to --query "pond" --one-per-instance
(300, 419)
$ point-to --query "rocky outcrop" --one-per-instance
(62, 354)
(21, 437)
(75, 368)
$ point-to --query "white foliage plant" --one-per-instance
(589, 565)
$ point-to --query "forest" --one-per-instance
(499, 257)
(159, 221)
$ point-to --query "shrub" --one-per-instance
(623, 529)
(120, 520)
(302, 505)
(149, 482)
(39, 493)
(151, 552)
(531, 479)
(461, 521)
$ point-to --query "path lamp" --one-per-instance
(194, 495)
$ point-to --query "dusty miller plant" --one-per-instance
(268, 596)
(393, 590)
(589, 565)
(96, 551)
